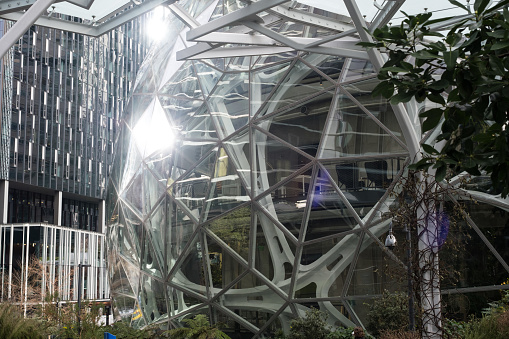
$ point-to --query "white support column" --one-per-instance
(57, 209)
(11, 241)
(23, 24)
(4, 200)
(27, 262)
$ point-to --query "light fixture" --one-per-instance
(390, 241)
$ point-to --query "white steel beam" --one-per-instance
(311, 19)
(386, 14)
(19, 28)
(183, 16)
(243, 14)
(238, 52)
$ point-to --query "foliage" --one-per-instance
(313, 325)
(399, 334)
(121, 329)
(343, 333)
(198, 328)
(14, 326)
(389, 312)
(469, 64)
(455, 329)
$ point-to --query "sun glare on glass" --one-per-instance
(156, 25)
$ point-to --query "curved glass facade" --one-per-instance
(252, 188)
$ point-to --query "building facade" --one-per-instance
(252, 188)
(62, 96)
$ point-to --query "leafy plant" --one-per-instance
(389, 312)
(470, 64)
(198, 328)
(313, 325)
(14, 326)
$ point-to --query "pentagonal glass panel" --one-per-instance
(223, 267)
(190, 274)
(111, 204)
(208, 76)
(353, 132)
(127, 161)
(199, 126)
(266, 60)
(152, 259)
(133, 275)
(329, 65)
(180, 230)
(300, 83)
(159, 165)
(358, 69)
(374, 271)
(302, 126)
(263, 83)
(131, 195)
(233, 229)
(274, 162)
(328, 214)
(240, 154)
(152, 191)
(145, 81)
(191, 191)
(189, 154)
(121, 283)
(227, 190)
(153, 299)
(129, 232)
(183, 83)
(229, 104)
(179, 110)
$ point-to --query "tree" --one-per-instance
(465, 73)
(314, 325)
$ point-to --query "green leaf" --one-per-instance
(384, 88)
(457, 4)
(393, 69)
(439, 85)
(441, 172)
(402, 97)
(497, 65)
(424, 54)
(497, 6)
(480, 5)
(499, 45)
(453, 38)
(499, 34)
(429, 149)
(431, 122)
(450, 58)
(431, 113)
(437, 98)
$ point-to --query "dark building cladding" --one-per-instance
(62, 97)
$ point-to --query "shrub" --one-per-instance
(313, 325)
(388, 313)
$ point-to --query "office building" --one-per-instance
(62, 97)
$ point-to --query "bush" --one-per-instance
(388, 313)
(14, 326)
(313, 325)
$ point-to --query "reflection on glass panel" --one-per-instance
(191, 152)
(359, 69)
(199, 125)
(240, 151)
(374, 271)
(125, 305)
(233, 229)
(266, 60)
(299, 84)
(293, 29)
(328, 214)
(183, 83)
(151, 258)
(377, 106)
(239, 64)
(364, 182)
(153, 299)
(130, 230)
(229, 103)
(302, 126)
(227, 190)
(330, 65)
(208, 76)
(179, 111)
(223, 267)
(480, 184)
(263, 82)
(274, 162)
(465, 256)
(179, 233)
(190, 274)
(352, 132)
(179, 301)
